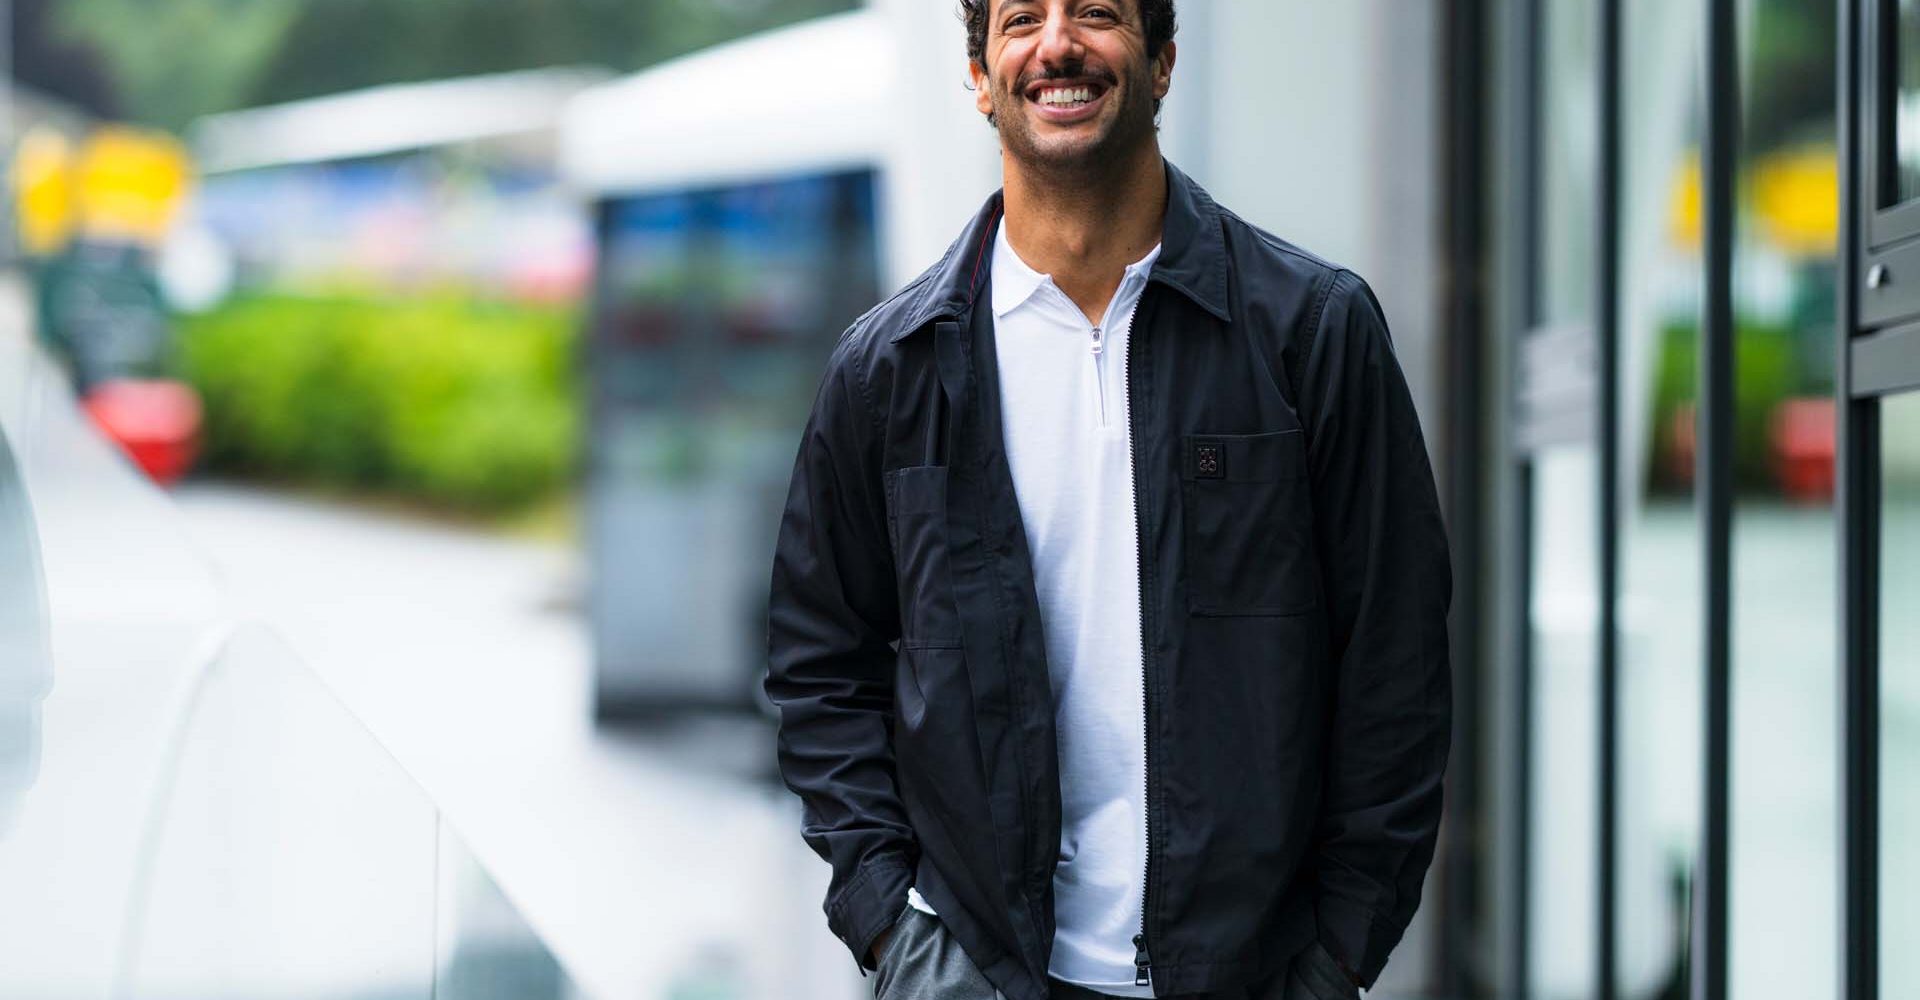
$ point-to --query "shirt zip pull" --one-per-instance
(1142, 962)
(1099, 340)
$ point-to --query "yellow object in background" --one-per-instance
(1685, 208)
(1796, 195)
(1793, 197)
(130, 184)
(43, 191)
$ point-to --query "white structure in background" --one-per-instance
(405, 184)
(513, 113)
(762, 108)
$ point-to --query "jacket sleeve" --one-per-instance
(832, 613)
(1388, 582)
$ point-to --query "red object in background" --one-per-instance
(1680, 459)
(156, 422)
(1801, 445)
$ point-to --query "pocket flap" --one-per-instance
(1243, 458)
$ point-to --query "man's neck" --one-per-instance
(1084, 229)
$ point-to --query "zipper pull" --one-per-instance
(1099, 339)
(1142, 963)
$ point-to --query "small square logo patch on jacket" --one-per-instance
(1209, 460)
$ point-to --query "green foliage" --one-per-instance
(174, 61)
(469, 404)
(1767, 372)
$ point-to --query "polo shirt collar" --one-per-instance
(1014, 283)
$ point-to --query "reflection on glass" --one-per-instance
(1562, 610)
(26, 661)
(292, 855)
(1900, 698)
(1906, 122)
(1785, 775)
(1568, 159)
(485, 950)
(1562, 893)
(1660, 765)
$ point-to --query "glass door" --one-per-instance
(1879, 402)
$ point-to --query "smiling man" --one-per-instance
(1108, 612)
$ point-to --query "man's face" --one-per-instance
(1068, 81)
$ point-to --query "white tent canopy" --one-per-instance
(806, 98)
(389, 119)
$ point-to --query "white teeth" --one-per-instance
(1065, 98)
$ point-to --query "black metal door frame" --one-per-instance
(1879, 358)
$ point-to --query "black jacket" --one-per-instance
(1294, 588)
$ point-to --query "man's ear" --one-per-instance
(1163, 68)
(982, 93)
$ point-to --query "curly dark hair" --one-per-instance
(1155, 15)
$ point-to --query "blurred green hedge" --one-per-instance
(1768, 370)
(467, 403)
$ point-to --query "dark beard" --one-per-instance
(1132, 126)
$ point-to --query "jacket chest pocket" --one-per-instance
(1247, 536)
(917, 527)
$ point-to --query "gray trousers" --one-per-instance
(921, 961)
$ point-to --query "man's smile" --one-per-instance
(1065, 102)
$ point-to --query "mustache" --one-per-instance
(1069, 71)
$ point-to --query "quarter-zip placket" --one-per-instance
(1099, 370)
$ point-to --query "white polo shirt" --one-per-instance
(1064, 413)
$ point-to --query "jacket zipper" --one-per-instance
(1142, 959)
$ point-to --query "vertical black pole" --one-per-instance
(1857, 482)
(1716, 434)
(1607, 343)
(1463, 69)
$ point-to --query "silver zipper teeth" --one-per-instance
(1142, 959)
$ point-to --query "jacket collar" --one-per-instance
(1193, 258)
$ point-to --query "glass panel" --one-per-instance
(1562, 608)
(292, 855)
(1906, 117)
(1900, 697)
(26, 658)
(1660, 762)
(1569, 118)
(103, 614)
(1563, 891)
(1785, 774)
(186, 811)
(485, 950)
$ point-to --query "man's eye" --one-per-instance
(1019, 21)
(1101, 12)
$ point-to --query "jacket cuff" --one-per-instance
(1355, 939)
(869, 904)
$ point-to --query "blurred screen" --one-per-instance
(714, 314)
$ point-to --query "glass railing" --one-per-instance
(185, 809)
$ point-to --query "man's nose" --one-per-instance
(1059, 41)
